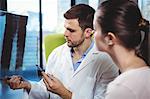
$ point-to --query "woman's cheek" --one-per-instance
(97, 40)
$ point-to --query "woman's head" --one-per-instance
(120, 19)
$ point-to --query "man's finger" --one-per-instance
(47, 78)
(12, 82)
(47, 85)
(16, 83)
(52, 77)
(22, 84)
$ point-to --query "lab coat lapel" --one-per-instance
(68, 59)
(88, 59)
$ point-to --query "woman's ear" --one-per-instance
(88, 32)
(110, 39)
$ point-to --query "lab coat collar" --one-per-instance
(88, 59)
(69, 59)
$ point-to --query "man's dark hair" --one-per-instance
(84, 13)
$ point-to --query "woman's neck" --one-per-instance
(126, 59)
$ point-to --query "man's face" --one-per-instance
(73, 33)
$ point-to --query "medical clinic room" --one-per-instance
(74, 49)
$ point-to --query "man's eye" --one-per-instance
(71, 30)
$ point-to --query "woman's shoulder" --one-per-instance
(133, 78)
(131, 82)
(134, 75)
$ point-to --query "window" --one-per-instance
(52, 17)
(52, 21)
(145, 8)
(28, 8)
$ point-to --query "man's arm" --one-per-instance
(109, 73)
(18, 82)
(35, 90)
(31, 90)
(101, 85)
(55, 86)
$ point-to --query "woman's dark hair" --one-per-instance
(124, 19)
(84, 13)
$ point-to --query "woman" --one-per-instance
(118, 25)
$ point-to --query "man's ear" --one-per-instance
(88, 32)
(110, 39)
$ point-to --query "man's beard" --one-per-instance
(76, 44)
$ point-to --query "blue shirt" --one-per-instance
(76, 65)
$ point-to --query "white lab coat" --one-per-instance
(89, 81)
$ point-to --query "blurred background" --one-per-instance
(26, 26)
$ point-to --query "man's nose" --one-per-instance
(66, 33)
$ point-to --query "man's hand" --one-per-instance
(17, 82)
(55, 86)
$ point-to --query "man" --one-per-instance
(75, 70)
